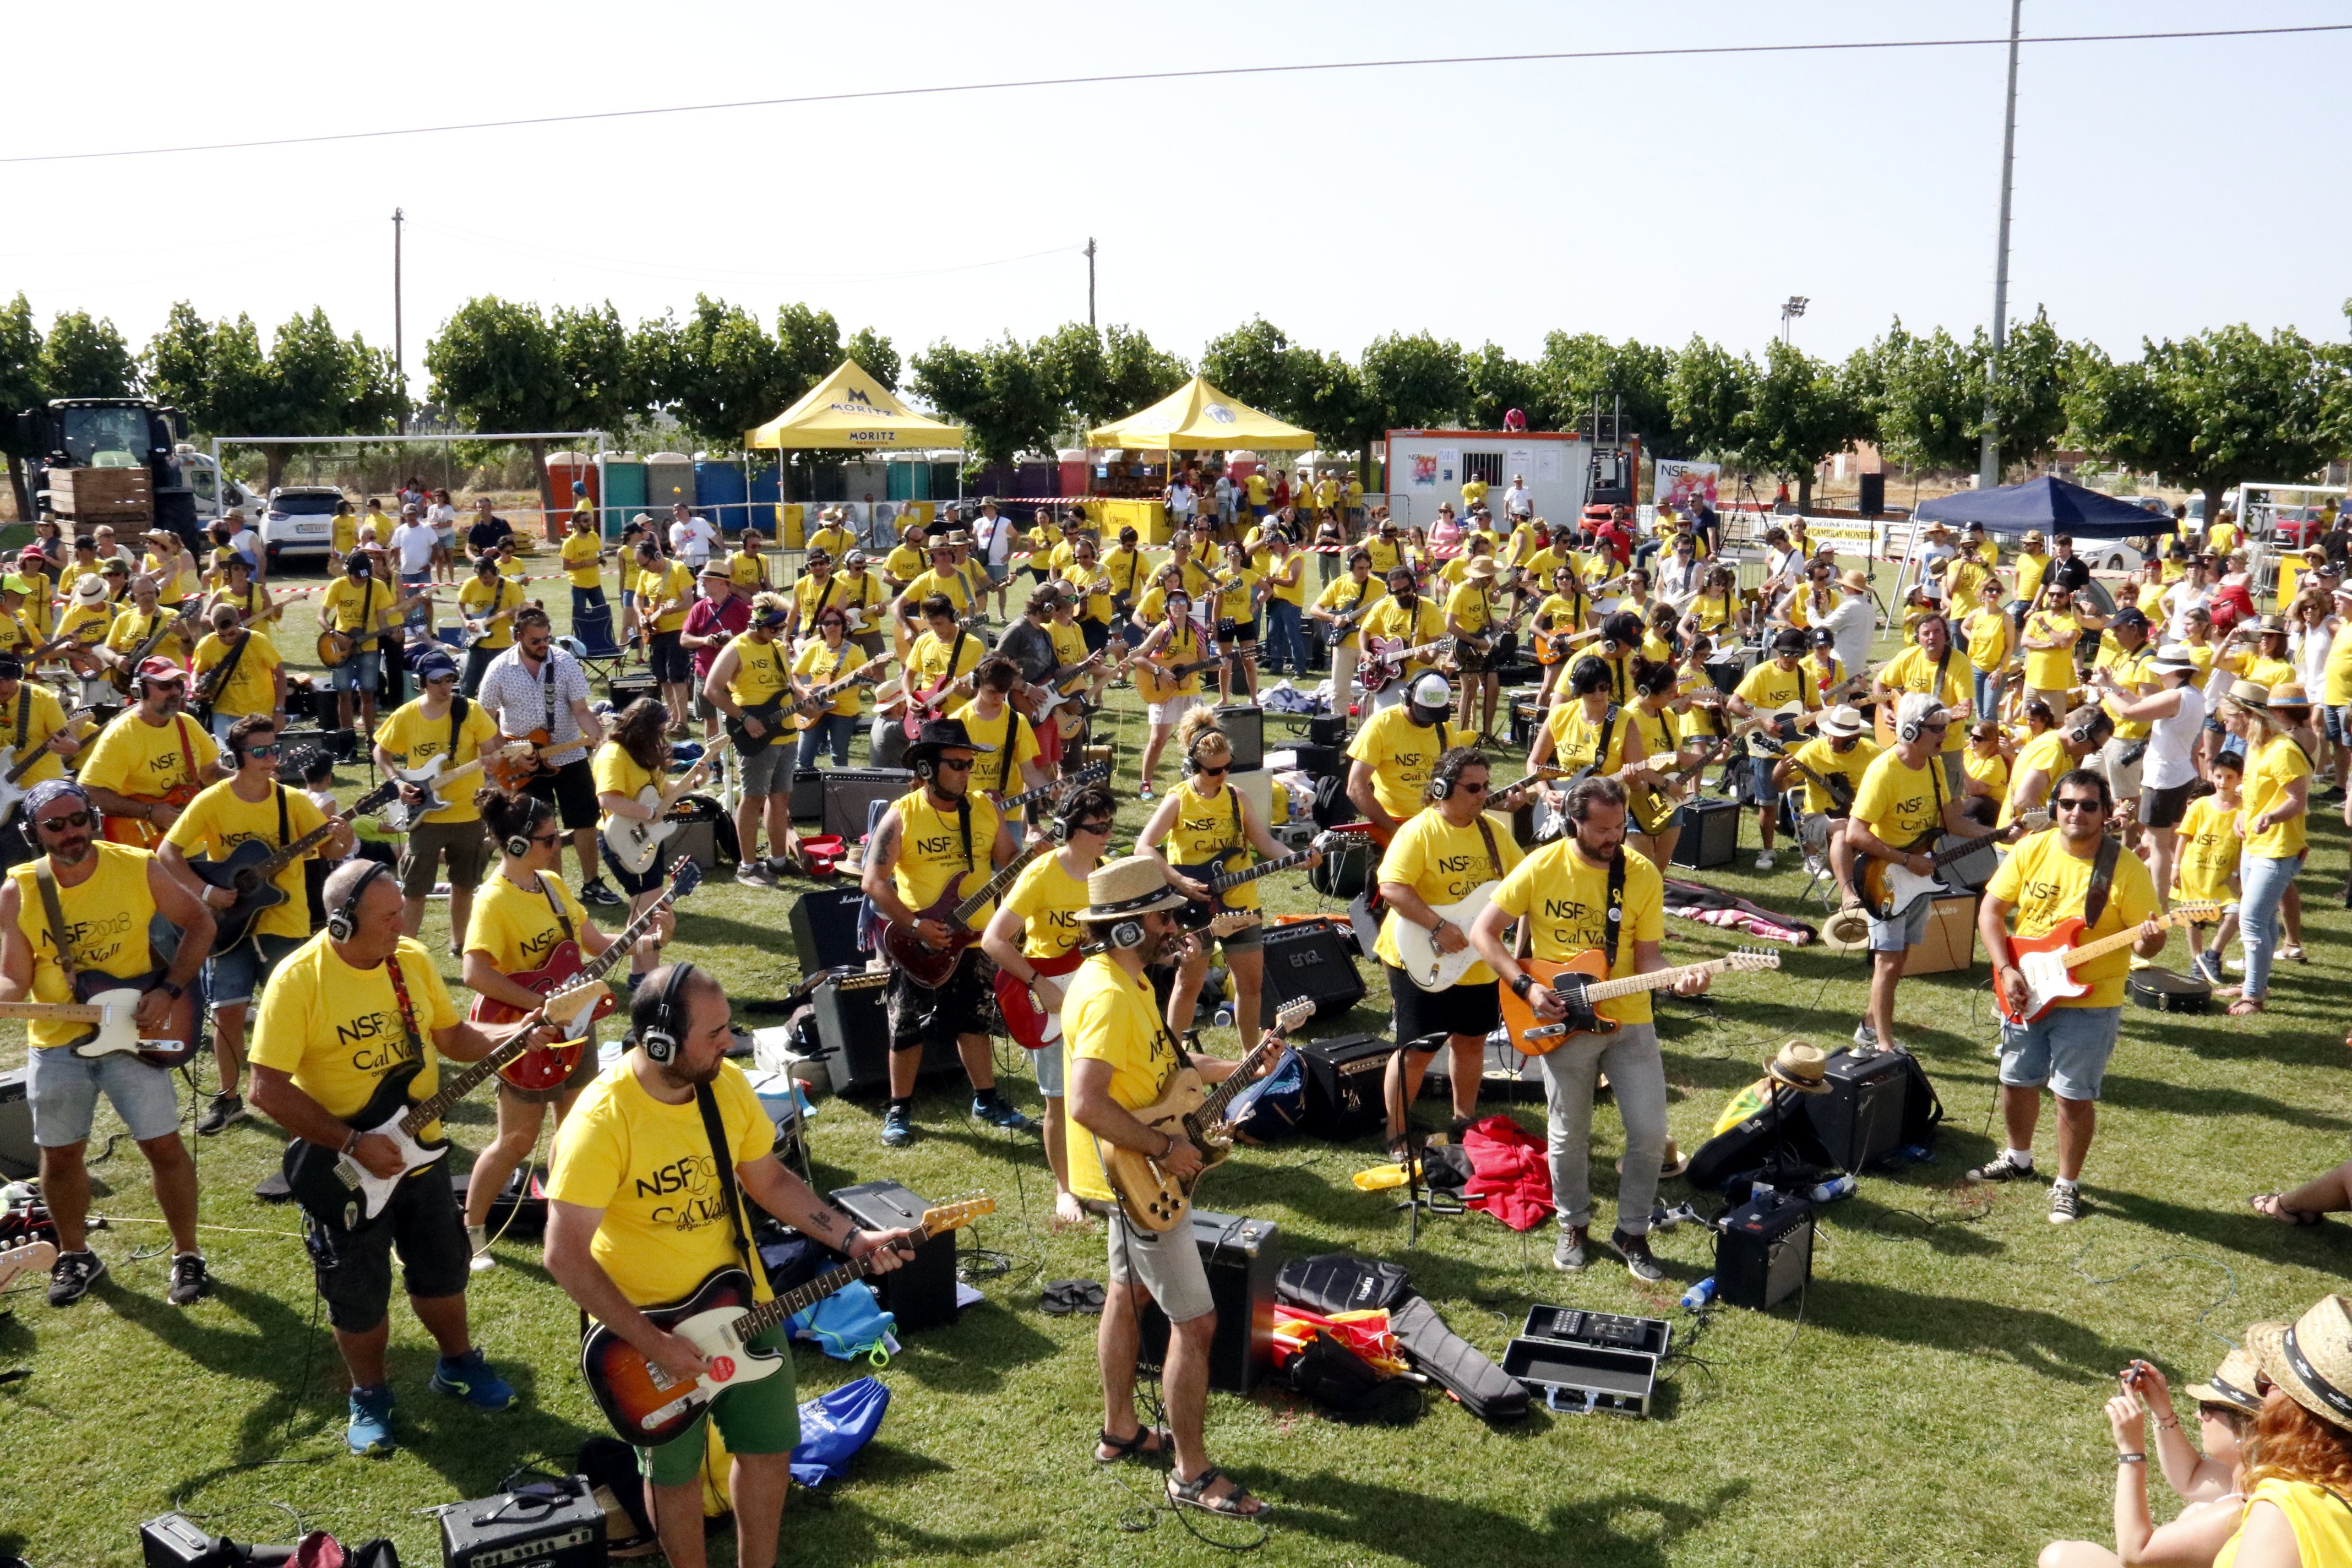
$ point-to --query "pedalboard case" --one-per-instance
(1586, 1362)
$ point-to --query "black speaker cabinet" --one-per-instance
(1861, 1118)
(848, 792)
(18, 1157)
(1328, 730)
(824, 929)
(1764, 1251)
(920, 1293)
(1245, 728)
(808, 794)
(1315, 961)
(623, 689)
(1318, 761)
(854, 1028)
(1710, 834)
(1873, 500)
(1344, 1079)
(1243, 1256)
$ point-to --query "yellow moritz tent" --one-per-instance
(1197, 417)
(850, 408)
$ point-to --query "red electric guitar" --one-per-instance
(2046, 964)
(1032, 1027)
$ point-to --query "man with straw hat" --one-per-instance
(1121, 1055)
(2071, 870)
(1470, 620)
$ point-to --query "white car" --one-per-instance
(2109, 555)
(300, 520)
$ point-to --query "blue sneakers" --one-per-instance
(370, 1431)
(897, 1127)
(469, 1378)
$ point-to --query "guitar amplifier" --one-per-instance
(548, 1524)
(1328, 730)
(1242, 1257)
(342, 745)
(1313, 959)
(808, 794)
(1245, 728)
(854, 1028)
(1344, 1079)
(1764, 1251)
(921, 1292)
(1860, 1117)
(18, 1157)
(1318, 761)
(1525, 718)
(623, 689)
(1710, 835)
(848, 792)
(824, 930)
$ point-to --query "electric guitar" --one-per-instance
(2045, 963)
(1582, 983)
(1338, 628)
(1837, 786)
(476, 630)
(1032, 1026)
(635, 843)
(1194, 915)
(1187, 1108)
(13, 787)
(110, 1006)
(1427, 967)
(522, 758)
(127, 668)
(251, 869)
(649, 1406)
(1553, 646)
(808, 710)
(1385, 658)
(1889, 887)
(335, 646)
(566, 968)
(926, 705)
(431, 778)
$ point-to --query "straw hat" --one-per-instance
(2234, 1381)
(1854, 577)
(1480, 569)
(1842, 721)
(2250, 694)
(2034, 536)
(2272, 625)
(1671, 1163)
(2289, 694)
(2311, 1359)
(1801, 1067)
(90, 588)
(1134, 885)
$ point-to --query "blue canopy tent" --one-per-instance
(2051, 505)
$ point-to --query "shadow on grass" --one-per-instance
(1428, 1530)
(2319, 1247)
(2204, 1101)
(973, 1360)
(2040, 1342)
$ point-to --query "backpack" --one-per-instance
(834, 1427)
(1346, 1387)
(1270, 1110)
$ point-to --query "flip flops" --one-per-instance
(1064, 1297)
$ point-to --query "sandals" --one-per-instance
(2293, 954)
(2245, 1007)
(1163, 1441)
(1194, 1494)
(2280, 1212)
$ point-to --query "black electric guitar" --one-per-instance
(1837, 786)
(1194, 915)
(252, 868)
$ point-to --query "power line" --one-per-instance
(740, 276)
(1682, 52)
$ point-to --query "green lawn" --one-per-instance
(1934, 1397)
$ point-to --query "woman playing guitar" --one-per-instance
(522, 914)
(635, 755)
(1653, 801)
(1560, 616)
(1168, 687)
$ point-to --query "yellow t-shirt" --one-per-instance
(337, 1030)
(1202, 827)
(1991, 772)
(2047, 885)
(2322, 1524)
(2279, 763)
(1107, 1018)
(1989, 633)
(2046, 754)
(2131, 670)
(903, 564)
(673, 586)
(88, 624)
(44, 716)
(582, 558)
(2220, 539)
(648, 1167)
(1124, 566)
(1343, 596)
(1293, 592)
(1823, 759)
(343, 533)
(2208, 859)
(1256, 486)
(1901, 805)
(1093, 584)
(931, 661)
(1401, 755)
(131, 627)
(217, 821)
(2031, 567)
(1576, 740)
(832, 539)
(108, 916)
(1326, 494)
(1913, 671)
(1386, 553)
(747, 571)
(1047, 899)
(1387, 619)
(2336, 679)
(1769, 687)
(1238, 602)
(760, 675)
(133, 757)
(1179, 647)
(348, 606)
(618, 772)
(416, 740)
(1474, 492)
(180, 582)
(951, 582)
(1470, 607)
(2050, 668)
(518, 930)
(932, 853)
(248, 688)
(999, 771)
(1443, 864)
(1565, 897)
(860, 591)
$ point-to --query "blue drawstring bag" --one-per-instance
(847, 1324)
(834, 1427)
(1271, 1109)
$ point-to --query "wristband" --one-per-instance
(2131, 1458)
(1521, 984)
(351, 1142)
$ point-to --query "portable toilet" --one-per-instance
(719, 489)
(669, 478)
(766, 497)
(909, 477)
(624, 491)
(1072, 462)
(565, 469)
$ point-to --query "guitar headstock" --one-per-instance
(1231, 920)
(685, 875)
(1293, 1014)
(1748, 959)
(2197, 911)
(956, 1213)
(2033, 821)
(376, 799)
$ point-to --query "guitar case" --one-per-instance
(2166, 991)
(1780, 1135)
(1455, 1364)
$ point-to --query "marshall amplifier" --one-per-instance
(1344, 1079)
(824, 930)
(854, 1028)
(1710, 835)
(1243, 1256)
(548, 1524)
(1764, 1251)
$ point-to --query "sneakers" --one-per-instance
(1568, 1252)
(754, 876)
(190, 1283)
(224, 1111)
(999, 1113)
(2208, 967)
(369, 1431)
(1145, 794)
(468, 1377)
(1639, 1260)
(2066, 1202)
(2004, 1169)
(72, 1275)
(1866, 1036)
(478, 1239)
(596, 893)
(1764, 861)
(897, 1126)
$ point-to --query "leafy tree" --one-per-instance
(1929, 408)
(874, 354)
(21, 389)
(808, 347)
(495, 366)
(1499, 383)
(1801, 411)
(86, 358)
(600, 374)
(1415, 382)
(1259, 365)
(2028, 384)
(1708, 396)
(1001, 394)
(1334, 403)
(2214, 410)
(1076, 372)
(724, 375)
(1575, 369)
(1137, 373)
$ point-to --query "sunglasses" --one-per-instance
(1091, 828)
(74, 819)
(554, 836)
(265, 753)
(1468, 788)
(2091, 804)
(1219, 769)
(954, 765)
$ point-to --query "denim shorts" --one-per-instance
(360, 671)
(1051, 1063)
(1894, 936)
(2066, 1048)
(64, 1089)
(2336, 723)
(232, 978)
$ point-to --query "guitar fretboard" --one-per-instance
(1602, 990)
(1263, 868)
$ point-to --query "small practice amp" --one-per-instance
(849, 791)
(1244, 727)
(1710, 835)
(1860, 1117)
(18, 1157)
(919, 1293)
(1764, 1251)
(853, 1025)
(548, 1524)
(1344, 1079)
(1242, 1257)
(1313, 959)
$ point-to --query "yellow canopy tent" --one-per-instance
(1197, 417)
(850, 408)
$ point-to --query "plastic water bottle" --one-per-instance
(1836, 1187)
(1700, 1295)
(1224, 1017)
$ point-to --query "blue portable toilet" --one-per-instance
(719, 493)
(767, 502)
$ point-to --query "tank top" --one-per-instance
(109, 916)
(1204, 825)
(2321, 1520)
(2170, 742)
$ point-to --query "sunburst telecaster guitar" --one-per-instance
(1582, 984)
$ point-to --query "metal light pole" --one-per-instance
(1988, 454)
(1090, 280)
(399, 355)
(1790, 309)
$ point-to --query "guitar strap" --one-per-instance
(407, 1010)
(963, 826)
(547, 674)
(1616, 915)
(228, 670)
(2103, 877)
(24, 714)
(187, 751)
(1011, 743)
(716, 1131)
(555, 907)
(456, 724)
(44, 878)
(1608, 733)
(1494, 854)
(285, 834)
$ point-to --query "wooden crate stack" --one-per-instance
(102, 495)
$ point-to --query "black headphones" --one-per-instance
(1442, 782)
(660, 1039)
(1066, 818)
(343, 919)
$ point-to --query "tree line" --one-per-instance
(2202, 414)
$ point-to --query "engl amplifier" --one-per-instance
(1243, 1256)
(1860, 1117)
(1764, 1250)
(1313, 959)
(548, 1524)
(1344, 1078)
(921, 1292)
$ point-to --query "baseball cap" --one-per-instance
(432, 664)
(161, 670)
(2130, 615)
(1432, 691)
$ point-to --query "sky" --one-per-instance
(2161, 187)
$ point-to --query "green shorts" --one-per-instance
(762, 1417)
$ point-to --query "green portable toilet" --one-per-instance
(624, 491)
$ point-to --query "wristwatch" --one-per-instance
(176, 990)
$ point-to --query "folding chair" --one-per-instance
(592, 643)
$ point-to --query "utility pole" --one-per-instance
(399, 356)
(1988, 454)
(1090, 280)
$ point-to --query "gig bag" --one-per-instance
(1341, 1282)
(1455, 1364)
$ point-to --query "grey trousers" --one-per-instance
(1637, 1076)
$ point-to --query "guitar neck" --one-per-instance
(1657, 980)
(1263, 868)
(64, 1012)
(1213, 1108)
(760, 1320)
(622, 942)
(267, 870)
(425, 1112)
(1967, 847)
(2105, 944)
(988, 891)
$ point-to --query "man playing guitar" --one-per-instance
(1393, 756)
(1016, 762)
(1404, 620)
(1120, 1054)
(535, 688)
(945, 651)
(639, 1212)
(1344, 603)
(751, 672)
(925, 841)
(116, 901)
(1033, 939)
(412, 737)
(1470, 621)
(151, 761)
(33, 727)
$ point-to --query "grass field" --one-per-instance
(1933, 1397)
